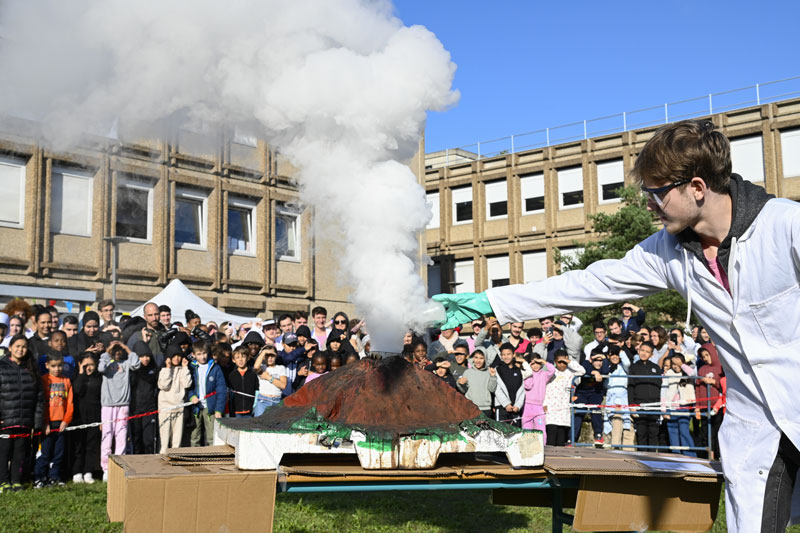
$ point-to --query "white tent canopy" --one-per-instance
(179, 298)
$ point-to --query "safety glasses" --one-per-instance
(657, 194)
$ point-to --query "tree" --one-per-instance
(619, 232)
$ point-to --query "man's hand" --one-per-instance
(516, 409)
(464, 307)
(217, 415)
(547, 337)
(146, 335)
(509, 408)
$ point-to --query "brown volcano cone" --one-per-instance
(388, 396)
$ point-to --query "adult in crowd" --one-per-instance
(150, 333)
(633, 317)
(42, 323)
(87, 340)
(165, 315)
(105, 308)
(733, 251)
(320, 317)
(600, 340)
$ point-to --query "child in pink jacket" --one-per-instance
(535, 387)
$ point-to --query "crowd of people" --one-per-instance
(157, 383)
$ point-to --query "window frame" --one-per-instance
(433, 199)
(282, 210)
(16, 162)
(81, 174)
(561, 193)
(527, 259)
(456, 191)
(464, 264)
(504, 262)
(242, 204)
(142, 184)
(600, 183)
(784, 134)
(743, 140)
(531, 178)
(192, 195)
(491, 185)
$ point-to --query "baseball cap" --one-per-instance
(289, 338)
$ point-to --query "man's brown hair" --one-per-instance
(684, 150)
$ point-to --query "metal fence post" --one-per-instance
(666, 114)
(548, 136)
(624, 121)
(584, 129)
(446, 156)
(710, 442)
(479, 151)
(710, 107)
(512, 144)
(758, 95)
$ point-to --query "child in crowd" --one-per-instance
(86, 393)
(479, 383)
(616, 424)
(243, 383)
(533, 416)
(208, 394)
(271, 380)
(458, 363)
(441, 369)
(57, 416)
(57, 344)
(336, 362)
(351, 358)
(589, 390)
(680, 397)
(558, 396)
(21, 401)
(645, 390)
(173, 382)
(510, 394)
(305, 366)
(222, 354)
(115, 365)
(144, 399)
(319, 366)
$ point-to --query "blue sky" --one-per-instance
(526, 65)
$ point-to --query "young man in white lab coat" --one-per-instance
(733, 252)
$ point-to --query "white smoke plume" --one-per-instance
(341, 87)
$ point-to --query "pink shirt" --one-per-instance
(719, 273)
(536, 385)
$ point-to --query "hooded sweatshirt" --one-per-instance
(714, 370)
(480, 385)
(116, 390)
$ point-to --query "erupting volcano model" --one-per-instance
(388, 412)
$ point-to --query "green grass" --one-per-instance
(82, 508)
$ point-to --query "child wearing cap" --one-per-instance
(291, 356)
(243, 385)
(173, 381)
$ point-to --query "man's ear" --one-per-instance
(699, 188)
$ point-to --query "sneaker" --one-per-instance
(51, 483)
(105, 476)
(598, 443)
(77, 478)
(5, 487)
(16, 487)
(39, 484)
(88, 478)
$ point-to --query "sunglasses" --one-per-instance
(657, 194)
(340, 321)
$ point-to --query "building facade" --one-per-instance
(219, 214)
(498, 219)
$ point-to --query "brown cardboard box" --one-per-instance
(148, 494)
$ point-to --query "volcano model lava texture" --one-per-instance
(387, 411)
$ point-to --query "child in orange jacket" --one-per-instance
(57, 416)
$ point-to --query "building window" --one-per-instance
(747, 157)
(610, 178)
(534, 266)
(462, 205)
(497, 268)
(241, 231)
(464, 276)
(287, 234)
(71, 203)
(12, 183)
(532, 188)
(570, 188)
(134, 210)
(790, 153)
(496, 200)
(191, 219)
(433, 204)
(571, 253)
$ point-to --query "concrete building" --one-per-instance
(497, 220)
(219, 214)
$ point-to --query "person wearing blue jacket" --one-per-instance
(291, 356)
(617, 424)
(589, 390)
(208, 394)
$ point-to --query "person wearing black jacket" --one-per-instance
(589, 390)
(441, 369)
(21, 404)
(86, 395)
(643, 390)
(242, 385)
(144, 399)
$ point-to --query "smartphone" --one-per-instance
(673, 337)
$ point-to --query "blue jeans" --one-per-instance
(262, 402)
(679, 435)
(52, 452)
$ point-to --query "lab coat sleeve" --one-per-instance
(640, 273)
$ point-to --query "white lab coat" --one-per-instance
(756, 329)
